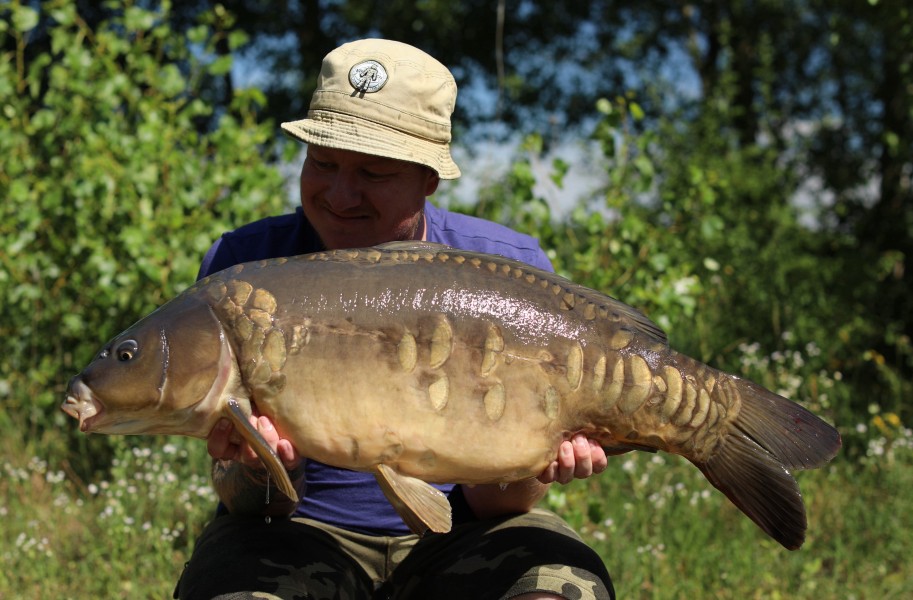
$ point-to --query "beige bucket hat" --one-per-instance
(383, 98)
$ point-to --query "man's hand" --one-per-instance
(578, 458)
(224, 444)
(238, 474)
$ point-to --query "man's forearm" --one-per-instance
(243, 490)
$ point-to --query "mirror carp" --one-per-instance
(421, 363)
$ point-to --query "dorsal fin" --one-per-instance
(413, 245)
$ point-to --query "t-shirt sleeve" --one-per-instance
(479, 235)
(218, 257)
(284, 235)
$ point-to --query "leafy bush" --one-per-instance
(116, 177)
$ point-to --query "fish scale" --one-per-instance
(421, 363)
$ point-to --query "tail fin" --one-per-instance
(771, 437)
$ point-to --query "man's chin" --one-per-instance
(338, 242)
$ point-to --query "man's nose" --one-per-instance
(345, 191)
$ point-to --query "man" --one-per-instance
(378, 135)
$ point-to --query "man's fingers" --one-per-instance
(288, 455)
(598, 456)
(220, 446)
(578, 458)
(566, 462)
(583, 463)
(550, 474)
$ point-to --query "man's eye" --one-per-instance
(375, 176)
(321, 165)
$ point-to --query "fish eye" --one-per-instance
(126, 351)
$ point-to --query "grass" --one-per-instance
(663, 532)
(126, 535)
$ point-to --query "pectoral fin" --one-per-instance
(618, 448)
(269, 457)
(420, 505)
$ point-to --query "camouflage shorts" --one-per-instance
(297, 558)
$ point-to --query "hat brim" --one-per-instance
(345, 132)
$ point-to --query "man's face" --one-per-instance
(355, 200)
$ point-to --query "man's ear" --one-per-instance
(432, 181)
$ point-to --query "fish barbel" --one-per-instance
(421, 363)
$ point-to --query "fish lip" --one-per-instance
(81, 403)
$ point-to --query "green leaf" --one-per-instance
(198, 34)
(220, 66)
(644, 165)
(137, 19)
(711, 225)
(64, 14)
(171, 82)
(560, 168)
(659, 262)
(236, 39)
(24, 18)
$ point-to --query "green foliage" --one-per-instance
(111, 192)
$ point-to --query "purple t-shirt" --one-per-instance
(352, 499)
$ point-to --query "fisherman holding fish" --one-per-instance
(378, 135)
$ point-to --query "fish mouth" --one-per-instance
(81, 404)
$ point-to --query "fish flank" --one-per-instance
(274, 350)
(301, 336)
(589, 311)
(439, 393)
(599, 371)
(575, 366)
(702, 409)
(264, 301)
(689, 401)
(441, 343)
(244, 327)
(261, 318)
(673, 399)
(616, 385)
(494, 401)
(638, 388)
(239, 291)
(620, 339)
(552, 405)
(494, 346)
(407, 352)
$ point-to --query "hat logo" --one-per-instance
(368, 76)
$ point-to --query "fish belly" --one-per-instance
(360, 394)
